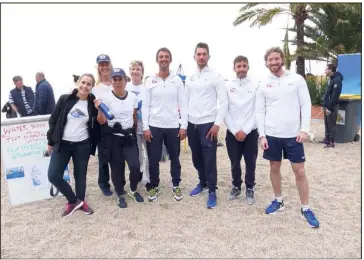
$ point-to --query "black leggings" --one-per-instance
(122, 150)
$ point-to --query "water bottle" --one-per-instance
(109, 115)
(66, 175)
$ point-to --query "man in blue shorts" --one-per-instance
(283, 114)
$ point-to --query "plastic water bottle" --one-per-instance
(66, 175)
(109, 115)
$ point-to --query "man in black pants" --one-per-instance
(331, 104)
(164, 94)
(242, 135)
(204, 88)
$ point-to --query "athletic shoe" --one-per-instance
(72, 207)
(234, 193)
(86, 209)
(135, 196)
(211, 201)
(106, 191)
(177, 194)
(330, 145)
(249, 196)
(196, 191)
(152, 195)
(325, 141)
(157, 191)
(274, 207)
(122, 202)
(310, 218)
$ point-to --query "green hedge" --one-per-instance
(317, 90)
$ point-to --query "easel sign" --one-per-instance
(23, 142)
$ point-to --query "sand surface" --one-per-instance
(187, 229)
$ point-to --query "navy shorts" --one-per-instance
(289, 147)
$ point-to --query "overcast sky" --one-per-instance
(61, 40)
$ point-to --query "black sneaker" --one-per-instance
(330, 145)
(249, 196)
(325, 141)
(234, 193)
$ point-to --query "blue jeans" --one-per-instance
(80, 154)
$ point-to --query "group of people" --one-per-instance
(24, 102)
(274, 112)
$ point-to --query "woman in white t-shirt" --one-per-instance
(118, 140)
(73, 133)
(103, 86)
(136, 86)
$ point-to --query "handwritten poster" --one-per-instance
(23, 161)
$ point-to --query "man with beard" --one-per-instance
(242, 135)
(164, 94)
(283, 111)
(203, 88)
(331, 104)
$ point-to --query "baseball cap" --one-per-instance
(102, 57)
(118, 72)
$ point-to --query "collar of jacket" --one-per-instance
(206, 68)
(40, 82)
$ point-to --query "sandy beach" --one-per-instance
(186, 229)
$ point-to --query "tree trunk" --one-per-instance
(300, 61)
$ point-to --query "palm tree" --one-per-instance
(299, 12)
(335, 31)
(287, 54)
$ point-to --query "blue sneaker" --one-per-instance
(310, 218)
(106, 191)
(122, 202)
(196, 191)
(274, 207)
(136, 196)
(211, 201)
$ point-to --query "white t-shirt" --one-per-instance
(122, 108)
(138, 90)
(100, 90)
(76, 129)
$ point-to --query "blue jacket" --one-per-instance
(44, 98)
(333, 91)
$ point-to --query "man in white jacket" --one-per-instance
(242, 135)
(283, 114)
(203, 88)
(164, 95)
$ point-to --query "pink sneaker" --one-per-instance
(85, 208)
(70, 208)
